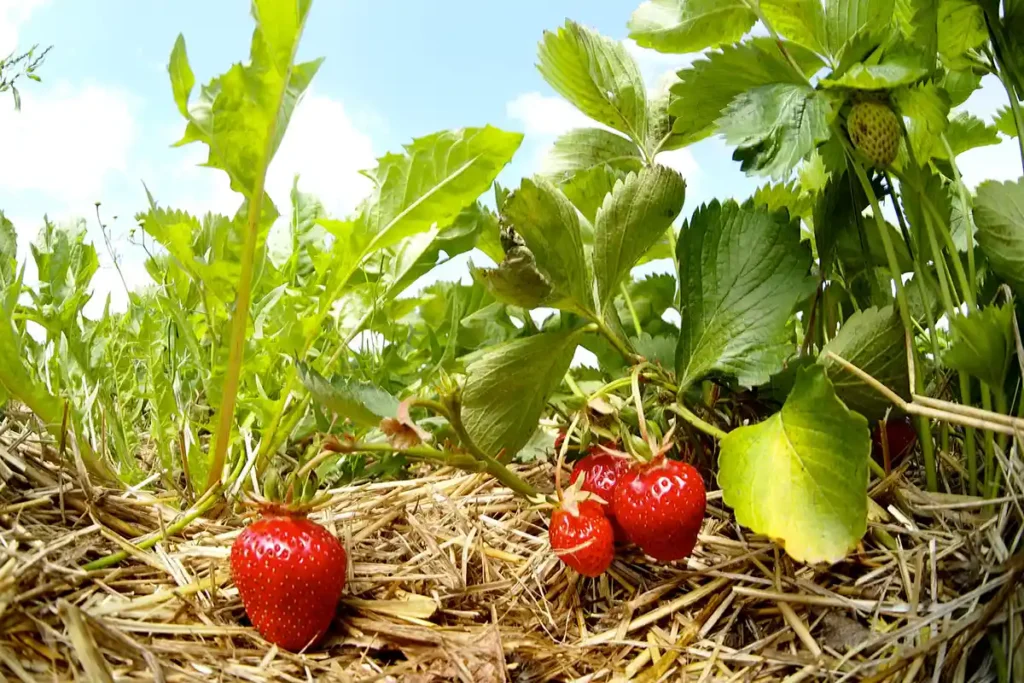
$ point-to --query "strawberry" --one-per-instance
(875, 131)
(601, 471)
(582, 536)
(660, 505)
(899, 436)
(290, 572)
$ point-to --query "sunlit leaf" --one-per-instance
(999, 216)
(801, 476)
(690, 25)
(361, 402)
(582, 149)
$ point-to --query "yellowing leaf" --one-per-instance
(801, 476)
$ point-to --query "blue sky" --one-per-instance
(103, 119)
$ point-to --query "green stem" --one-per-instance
(990, 442)
(997, 473)
(620, 344)
(965, 200)
(462, 461)
(709, 429)
(924, 433)
(632, 310)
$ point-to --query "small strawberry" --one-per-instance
(290, 572)
(660, 505)
(895, 435)
(582, 536)
(601, 471)
(875, 131)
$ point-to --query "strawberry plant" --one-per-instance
(862, 282)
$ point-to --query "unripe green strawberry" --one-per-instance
(875, 131)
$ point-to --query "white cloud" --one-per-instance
(14, 13)
(547, 115)
(67, 141)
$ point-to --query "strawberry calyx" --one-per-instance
(574, 495)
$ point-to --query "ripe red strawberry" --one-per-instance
(601, 472)
(660, 505)
(290, 572)
(582, 536)
(900, 437)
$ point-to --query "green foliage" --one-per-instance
(634, 216)
(690, 25)
(741, 273)
(873, 341)
(710, 84)
(801, 475)
(775, 126)
(508, 386)
(999, 215)
(361, 402)
(597, 76)
(801, 21)
(983, 344)
(845, 20)
(583, 149)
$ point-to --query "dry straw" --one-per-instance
(451, 579)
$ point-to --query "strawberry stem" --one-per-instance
(709, 429)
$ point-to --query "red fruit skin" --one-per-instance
(602, 472)
(900, 434)
(569, 531)
(661, 506)
(290, 572)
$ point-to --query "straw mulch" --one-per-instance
(451, 579)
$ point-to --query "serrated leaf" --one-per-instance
(918, 21)
(741, 273)
(182, 78)
(801, 476)
(587, 191)
(8, 254)
(437, 177)
(508, 386)
(999, 217)
(681, 26)
(844, 19)
(548, 223)
(982, 344)
(660, 350)
(873, 340)
(801, 21)
(927, 107)
(582, 149)
(1005, 123)
(598, 76)
(363, 403)
(966, 132)
(634, 216)
(516, 280)
(775, 126)
(961, 28)
(885, 76)
(242, 115)
(960, 84)
(707, 86)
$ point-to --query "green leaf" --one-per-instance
(884, 76)
(682, 26)
(801, 21)
(363, 403)
(707, 86)
(598, 76)
(961, 29)
(844, 19)
(508, 386)
(516, 280)
(775, 126)
(999, 217)
(182, 78)
(873, 340)
(582, 149)
(633, 218)
(801, 476)
(960, 84)
(918, 21)
(927, 107)
(982, 344)
(966, 132)
(242, 115)
(1004, 122)
(438, 176)
(788, 196)
(547, 221)
(587, 191)
(8, 254)
(741, 273)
